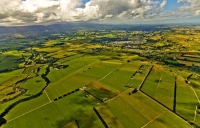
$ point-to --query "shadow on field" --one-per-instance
(113, 119)
(38, 81)
(84, 119)
(63, 122)
(160, 120)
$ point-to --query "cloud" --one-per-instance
(162, 5)
(191, 7)
(45, 11)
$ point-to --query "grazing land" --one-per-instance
(92, 78)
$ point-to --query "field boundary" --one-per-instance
(102, 120)
(195, 114)
(175, 88)
(29, 111)
(158, 84)
(196, 94)
(47, 96)
(11, 106)
(184, 119)
(104, 76)
(77, 71)
(153, 120)
(76, 121)
(117, 95)
(140, 87)
(94, 96)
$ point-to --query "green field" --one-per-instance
(91, 78)
(186, 101)
(138, 110)
(160, 86)
(62, 113)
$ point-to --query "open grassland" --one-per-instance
(6, 104)
(25, 107)
(101, 72)
(67, 85)
(195, 82)
(188, 63)
(137, 110)
(110, 119)
(160, 86)
(33, 85)
(120, 78)
(127, 83)
(197, 119)
(62, 53)
(59, 113)
(47, 49)
(9, 78)
(7, 93)
(151, 83)
(138, 76)
(66, 80)
(165, 94)
(8, 62)
(7, 84)
(13, 53)
(101, 69)
(75, 66)
(71, 125)
(113, 79)
(69, 58)
(31, 69)
(186, 100)
(9, 59)
(101, 91)
(198, 93)
(167, 78)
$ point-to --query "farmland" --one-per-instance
(101, 78)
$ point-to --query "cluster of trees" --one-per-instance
(171, 62)
(194, 125)
(45, 60)
(105, 39)
(19, 101)
(102, 120)
(195, 69)
(61, 66)
(44, 76)
(66, 94)
(198, 109)
(94, 96)
(134, 91)
(146, 77)
(6, 100)
(2, 121)
(10, 69)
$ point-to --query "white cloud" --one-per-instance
(42, 11)
(162, 5)
(191, 7)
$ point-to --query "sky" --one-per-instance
(31, 12)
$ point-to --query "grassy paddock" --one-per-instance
(59, 113)
(137, 110)
(186, 101)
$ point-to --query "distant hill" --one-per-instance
(42, 28)
(56, 28)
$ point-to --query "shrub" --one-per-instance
(2, 121)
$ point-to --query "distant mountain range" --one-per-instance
(43, 28)
(57, 28)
